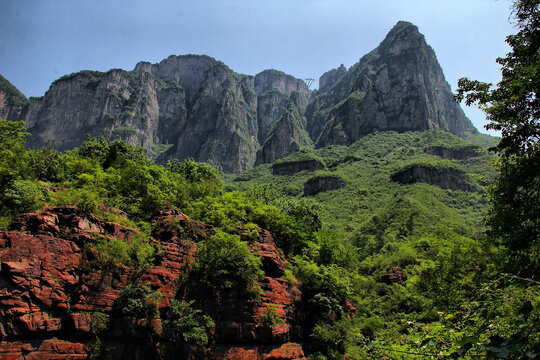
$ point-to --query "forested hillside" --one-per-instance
(415, 241)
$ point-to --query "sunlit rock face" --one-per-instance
(195, 106)
(55, 291)
(398, 86)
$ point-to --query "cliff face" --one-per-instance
(11, 100)
(195, 106)
(57, 301)
(274, 90)
(286, 137)
(446, 178)
(398, 86)
(184, 106)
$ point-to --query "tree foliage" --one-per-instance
(225, 262)
(186, 325)
(513, 107)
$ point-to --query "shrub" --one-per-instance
(23, 196)
(137, 300)
(186, 325)
(270, 316)
(137, 251)
(225, 262)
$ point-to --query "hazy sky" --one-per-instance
(43, 40)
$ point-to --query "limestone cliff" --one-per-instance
(398, 86)
(195, 106)
(11, 100)
(273, 90)
(445, 178)
(286, 137)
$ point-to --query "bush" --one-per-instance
(225, 262)
(138, 301)
(186, 325)
(137, 251)
(270, 316)
(23, 196)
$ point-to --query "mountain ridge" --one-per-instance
(196, 106)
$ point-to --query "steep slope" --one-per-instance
(11, 99)
(398, 86)
(372, 173)
(286, 137)
(184, 106)
(60, 300)
(274, 89)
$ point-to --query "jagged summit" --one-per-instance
(195, 105)
(398, 86)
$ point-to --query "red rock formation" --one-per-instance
(396, 276)
(51, 287)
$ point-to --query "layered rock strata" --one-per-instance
(321, 184)
(54, 294)
(445, 178)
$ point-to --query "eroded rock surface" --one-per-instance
(53, 292)
(399, 86)
(321, 184)
(286, 137)
(446, 178)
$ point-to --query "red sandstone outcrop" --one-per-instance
(53, 292)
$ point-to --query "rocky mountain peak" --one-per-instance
(329, 78)
(196, 106)
(277, 80)
(399, 86)
(402, 37)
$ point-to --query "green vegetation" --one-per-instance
(366, 168)
(124, 130)
(225, 262)
(386, 270)
(186, 325)
(270, 317)
(94, 77)
(512, 107)
(434, 236)
(13, 94)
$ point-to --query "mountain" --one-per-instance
(11, 100)
(440, 174)
(287, 136)
(196, 106)
(399, 86)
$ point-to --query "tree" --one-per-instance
(12, 153)
(513, 108)
(225, 262)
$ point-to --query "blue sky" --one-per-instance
(43, 40)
